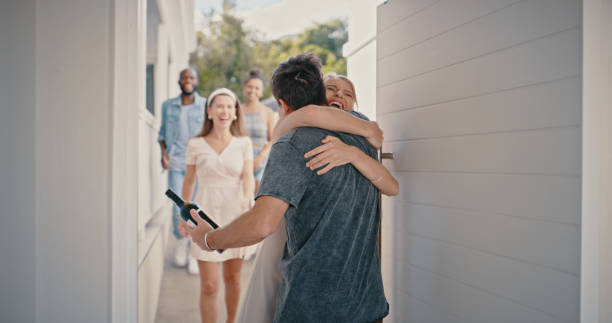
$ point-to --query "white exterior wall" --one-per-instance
(56, 121)
(73, 106)
(73, 160)
(360, 53)
(480, 101)
(171, 39)
(596, 267)
(17, 160)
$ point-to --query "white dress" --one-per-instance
(219, 192)
(260, 299)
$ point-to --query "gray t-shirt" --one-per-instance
(330, 265)
(178, 149)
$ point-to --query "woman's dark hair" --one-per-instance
(254, 74)
(298, 81)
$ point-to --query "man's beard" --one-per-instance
(183, 92)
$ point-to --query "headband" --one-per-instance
(222, 90)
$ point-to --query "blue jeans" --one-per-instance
(175, 182)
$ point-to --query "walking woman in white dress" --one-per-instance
(260, 298)
(221, 157)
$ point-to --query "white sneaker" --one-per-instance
(192, 267)
(180, 253)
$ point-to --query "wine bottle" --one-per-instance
(185, 211)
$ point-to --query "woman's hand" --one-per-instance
(257, 161)
(332, 153)
(376, 136)
(183, 228)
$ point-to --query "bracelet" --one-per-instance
(206, 241)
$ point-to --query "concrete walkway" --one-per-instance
(179, 295)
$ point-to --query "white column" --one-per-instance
(596, 264)
(74, 128)
(128, 79)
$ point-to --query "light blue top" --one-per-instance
(258, 129)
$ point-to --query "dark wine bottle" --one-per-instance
(185, 211)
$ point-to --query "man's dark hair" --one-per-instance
(298, 81)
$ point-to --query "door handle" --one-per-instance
(388, 155)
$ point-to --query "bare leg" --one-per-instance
(209, 277)
(231, 277)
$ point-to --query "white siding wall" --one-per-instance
(72, 95)
(480, 102)
(360, 53)
(56, 123)
(17, 175)
(171, 37)
(606, 226)
(73, 160)
(596, 251)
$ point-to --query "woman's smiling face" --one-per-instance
(253, 89)
(339, 93)
(222, 111)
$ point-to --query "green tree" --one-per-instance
(227, 50)
(330, 35)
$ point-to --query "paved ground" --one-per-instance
(178, 299)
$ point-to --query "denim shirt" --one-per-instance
(171, 109)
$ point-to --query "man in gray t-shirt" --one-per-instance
(330, 265)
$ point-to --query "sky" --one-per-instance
(277, 18)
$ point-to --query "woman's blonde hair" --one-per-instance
(237, 128)
(333, 75)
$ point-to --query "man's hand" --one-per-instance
(376, 137)
(165, 161)
(197, 233)
(333, 152)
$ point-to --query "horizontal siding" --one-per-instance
(551, 58)
(553, 246)
(475, 304)
(521, 22)
(526, 284)
(542, 151)
(549, 104)
(480, 101)
(425, 20)
(417, 311)
(396, 11)
(547, 198)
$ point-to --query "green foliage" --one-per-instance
(228, 51)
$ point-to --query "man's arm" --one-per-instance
(250, 228)
(161, 138)
(161, 135)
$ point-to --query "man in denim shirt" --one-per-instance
(330, 265)
(182, 118)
